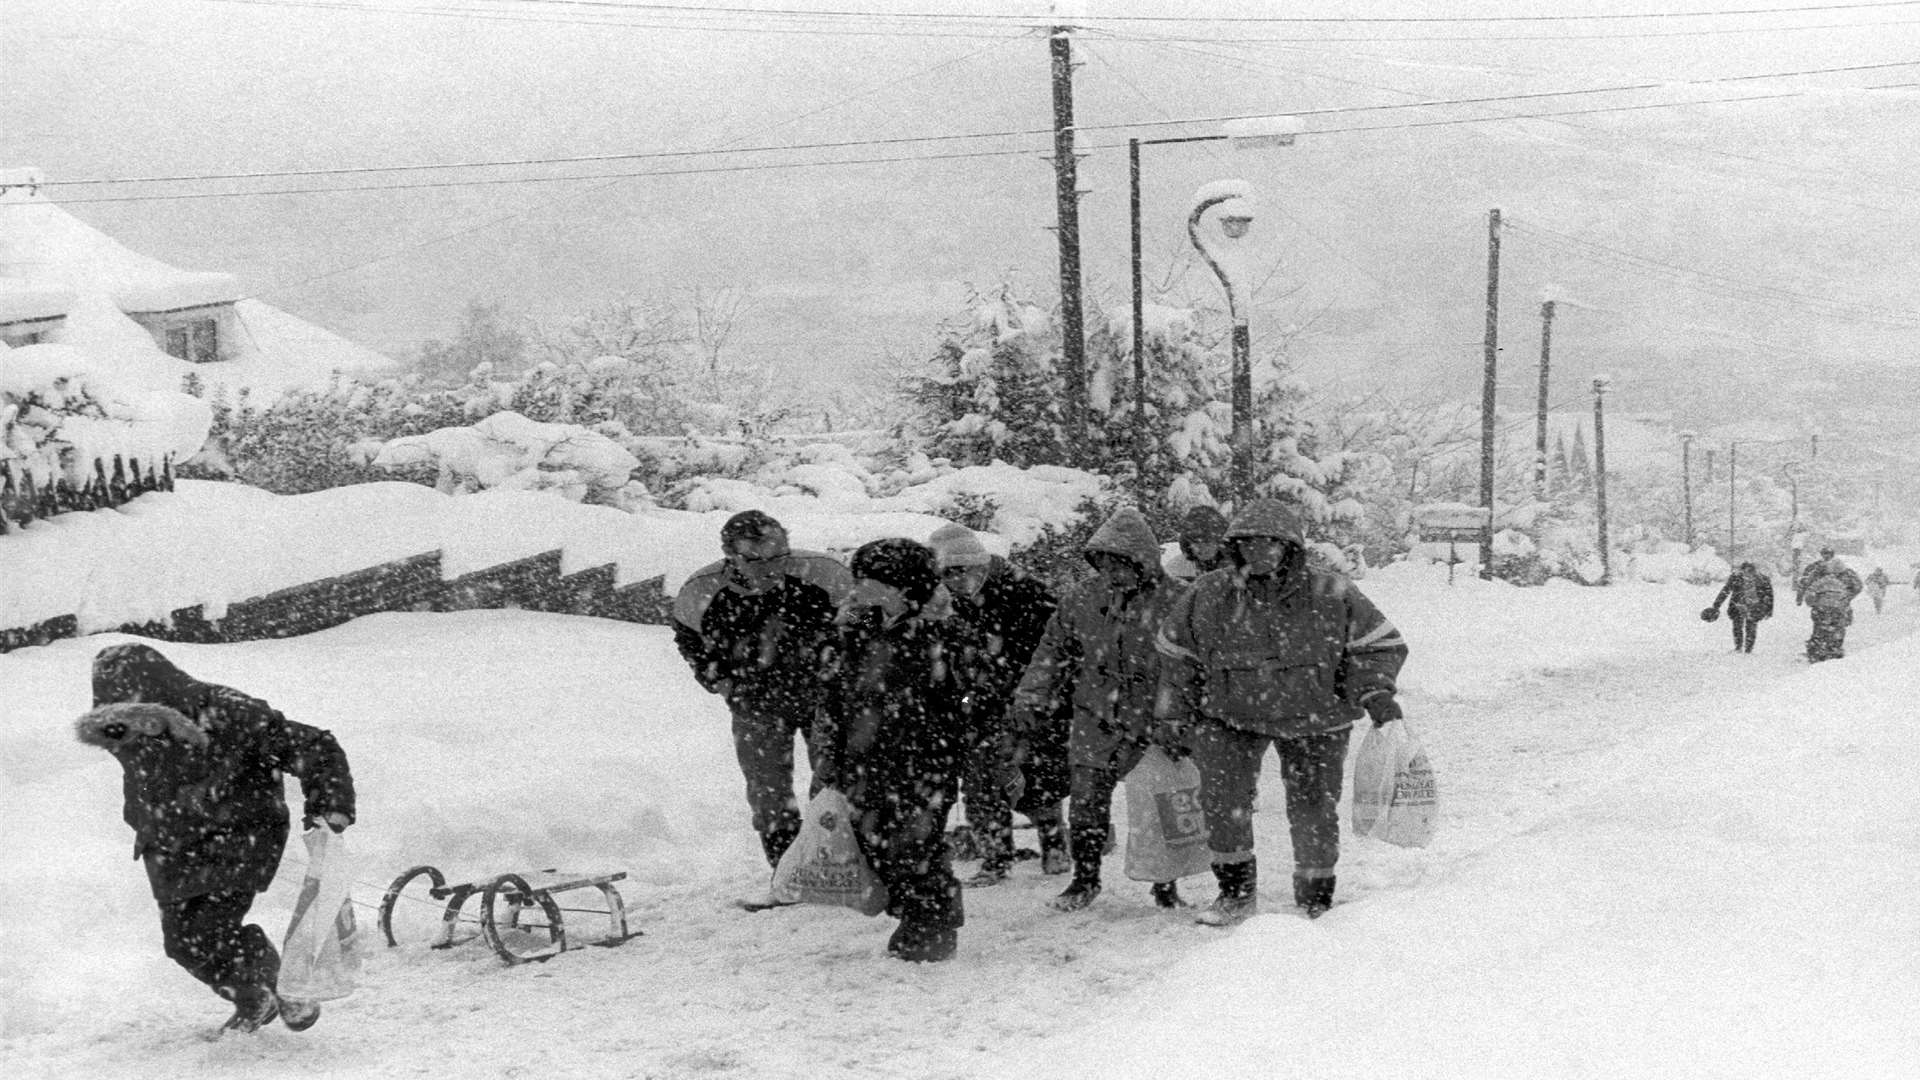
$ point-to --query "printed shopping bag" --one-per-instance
(320, 957)
(825, 864)
(1394, 796)
(1166, 832)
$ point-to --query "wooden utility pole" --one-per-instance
(1067, 196)
(1487, 391)
(1600, 475)
(1686, 482)
(1140, 447)
(1733, 468)
(1540, 431)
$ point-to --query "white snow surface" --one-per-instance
(1656, 858)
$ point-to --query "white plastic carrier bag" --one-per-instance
(1166, 831)
(825, 865)
(320, 959)
(1394, 795)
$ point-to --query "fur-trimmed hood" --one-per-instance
(115, 727)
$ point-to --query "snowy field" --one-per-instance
(1656, 858)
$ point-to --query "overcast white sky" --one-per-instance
(1703, 213)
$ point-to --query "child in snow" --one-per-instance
(202, 765)
(894, 737)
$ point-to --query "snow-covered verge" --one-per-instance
(1656, 859)
(158, 553)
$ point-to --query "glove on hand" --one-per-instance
(1383, 708)
(336, 821)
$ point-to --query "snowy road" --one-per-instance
(582, 741)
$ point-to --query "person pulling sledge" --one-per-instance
(202, 767)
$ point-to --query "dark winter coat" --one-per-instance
(202, 767)
(1748, 592)
(762, 647)
(896, 723)
(1098, 652)
(1007, 619)
(1286, 655)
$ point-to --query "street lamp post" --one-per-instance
(1234, 223)
(1247, 133)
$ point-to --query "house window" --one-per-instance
(196, 342)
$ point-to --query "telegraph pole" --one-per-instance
(1140, 452)
(1540, 431)
(1067, 196)
(1686, 481)
(1733, 467)
(1600, 475)
(1486, 391)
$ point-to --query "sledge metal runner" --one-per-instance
(506, 903)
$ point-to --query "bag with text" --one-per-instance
(825, 864)
(1394, 795)
(319, 960)
(1166, 831)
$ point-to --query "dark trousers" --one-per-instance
(204, 935)
(902, 830)
(991, 776)
(1312, 770)
(1744, 629)
(1829, 640)
(763, 744)
(1090, 814)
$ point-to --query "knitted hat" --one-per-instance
(904, 564)
(955, 545)
(1203, 522)
(751, 525)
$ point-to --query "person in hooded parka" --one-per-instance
(752, 627)
(1007, 610)
(1098, 654)
(1273, 651)
(894, 737)
(1748, 595)
(202, 767)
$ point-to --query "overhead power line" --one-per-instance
(1238, 19)
(1015, 132)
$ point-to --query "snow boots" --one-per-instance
(1314, 895)
(1238, 897)
(254, 1006)
(994, 869)
(1166, 894)
(1088, 841)
(923, 941)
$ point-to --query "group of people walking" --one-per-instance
(919, 672)
(1826, 587)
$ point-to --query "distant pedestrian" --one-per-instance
(1827, 588)
(1748, 595)
(1098, 655)
(895, 734)
(1007, 610)
(752, 627)
(1278, 652)
(203, 767)
(1201, 546)
(1877, 583)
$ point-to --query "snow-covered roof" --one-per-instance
(53, 264)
